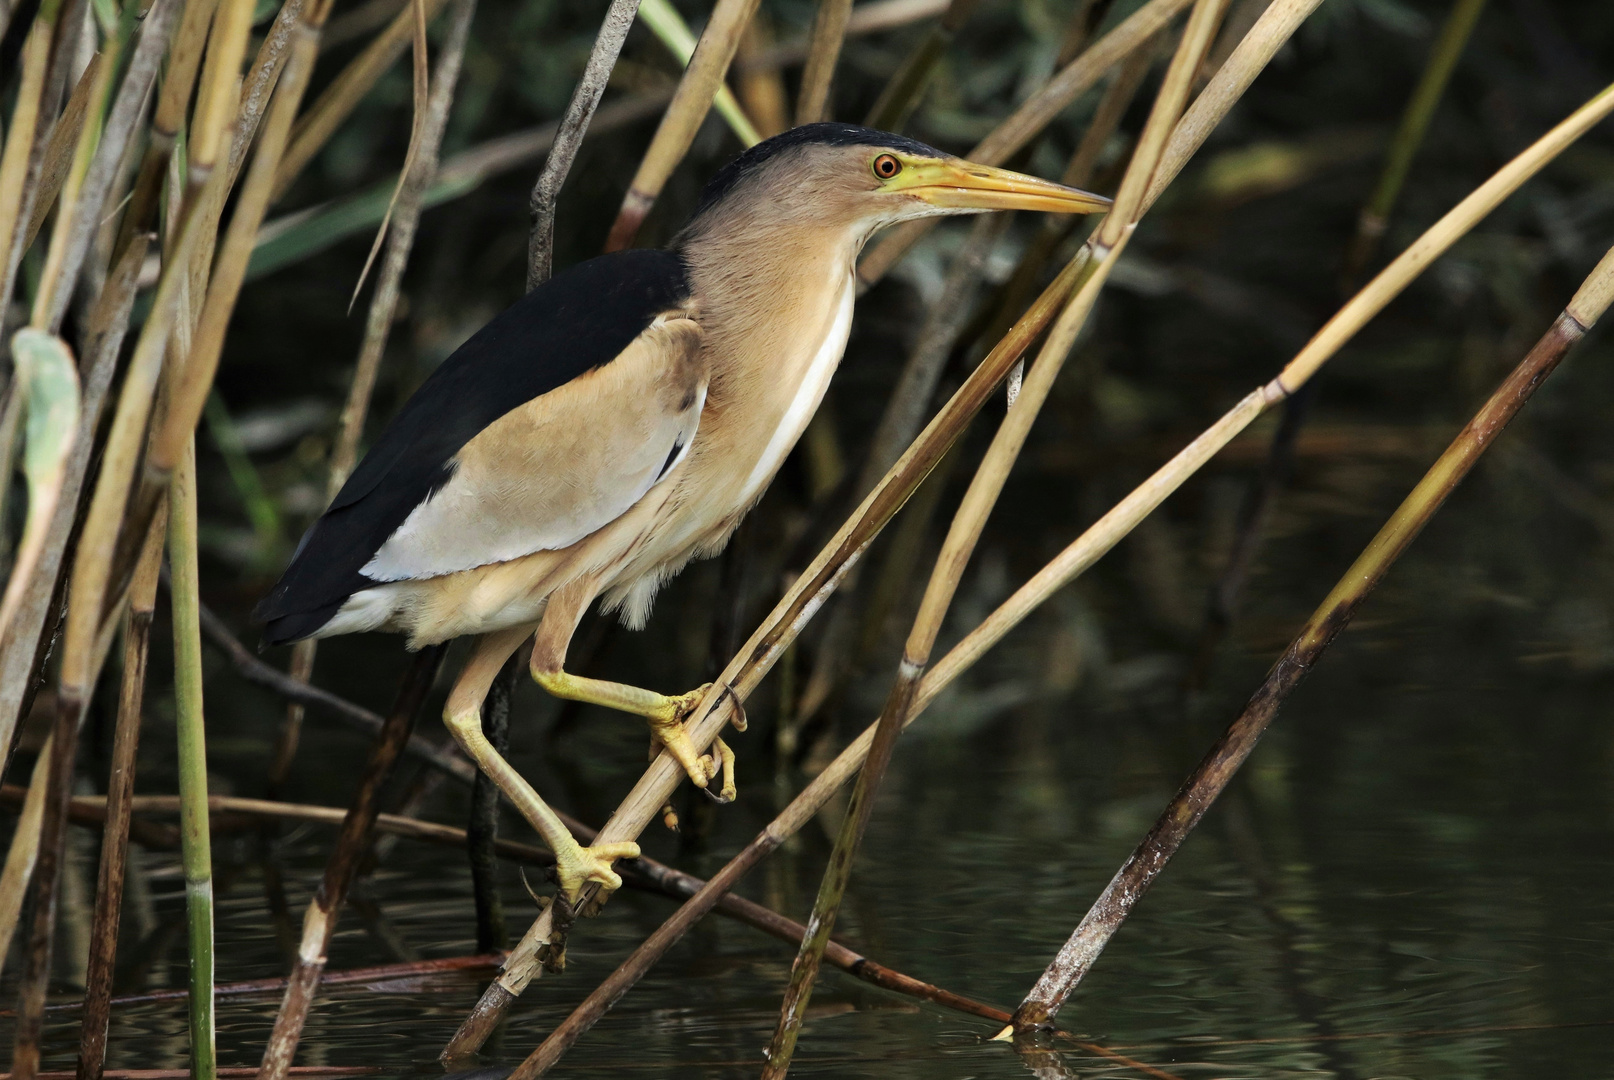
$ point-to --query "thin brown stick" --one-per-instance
(569, 138)
(115, 835)
(1076, 957)
(689, 106)
(319, 923)
(348, 976)
(338, 100)
(823, 51)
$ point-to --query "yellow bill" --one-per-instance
(955, 183)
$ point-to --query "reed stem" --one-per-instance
(190, 726)
(1200, 790)
(569, 138)
(319, 923)
(23, 648)
(823, 50)
(119, 796)
(689, 106)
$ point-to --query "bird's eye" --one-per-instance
(886, 166)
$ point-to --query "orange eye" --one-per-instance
(886, 166)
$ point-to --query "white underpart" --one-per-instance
(367, 609)
(808, 395)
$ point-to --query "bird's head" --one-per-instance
(844, 176)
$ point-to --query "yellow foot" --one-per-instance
(577, 865)
(667, 729)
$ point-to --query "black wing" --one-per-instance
(570, 325)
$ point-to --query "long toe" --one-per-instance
(671, 734)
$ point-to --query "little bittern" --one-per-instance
(615, 423)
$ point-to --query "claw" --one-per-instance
(578, 865)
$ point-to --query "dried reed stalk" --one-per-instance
(315, 127)
(179, 79)
(690, 104)
(118, 809)
(190, 392)
(66, 140)
(1056, 228)
(319, 922)
(1109, 529)
(45, 392)
(23, 852)
(569, 138)
(1132, 880)
(642, 873)
(121, 122)
(823, 50)
(872, 17)
(662, 19)
(190, 728)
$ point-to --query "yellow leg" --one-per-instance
(665, 713)
(575, 864)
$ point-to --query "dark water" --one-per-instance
(1413, 877)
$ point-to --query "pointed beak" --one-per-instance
(954, 183)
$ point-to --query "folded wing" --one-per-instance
(548, 423)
